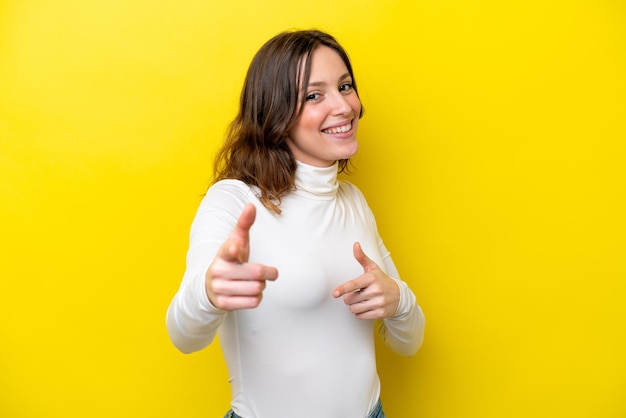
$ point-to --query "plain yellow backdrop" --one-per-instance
(492, 152)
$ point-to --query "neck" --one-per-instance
(320, 182)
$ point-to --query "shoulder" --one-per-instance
(352, 194)
(351, 190)
(229, 190)
(226, 198)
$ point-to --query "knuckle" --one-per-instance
(256, 301)
(220, 303)
(216, 269)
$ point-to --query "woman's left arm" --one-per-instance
(379, 294)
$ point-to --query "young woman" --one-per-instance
(285, 261)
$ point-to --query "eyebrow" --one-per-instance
(323, 83)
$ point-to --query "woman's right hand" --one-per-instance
(231, 282)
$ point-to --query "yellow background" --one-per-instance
(492, 152)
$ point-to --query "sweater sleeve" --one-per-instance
(192, 321)
(404, 331)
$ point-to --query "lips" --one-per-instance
(338, 129)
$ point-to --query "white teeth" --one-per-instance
(338, 130)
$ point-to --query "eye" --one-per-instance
(345, 87)
(312, 96)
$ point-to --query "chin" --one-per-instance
(351, 152)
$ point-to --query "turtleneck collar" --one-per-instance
(320, 182)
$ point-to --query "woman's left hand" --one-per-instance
(372, 295)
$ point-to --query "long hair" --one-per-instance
(255, 150)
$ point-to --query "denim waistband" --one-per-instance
(377, 412)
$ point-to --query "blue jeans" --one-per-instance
(377, 412)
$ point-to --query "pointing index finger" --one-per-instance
(348, 287)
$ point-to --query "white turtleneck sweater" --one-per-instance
(301, 352)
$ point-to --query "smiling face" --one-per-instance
(326, 129)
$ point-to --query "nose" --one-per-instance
(340, 105)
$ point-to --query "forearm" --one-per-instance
(404, 331)
(192, 322)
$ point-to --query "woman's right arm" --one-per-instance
(218, 277)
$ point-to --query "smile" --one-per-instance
(338, 129)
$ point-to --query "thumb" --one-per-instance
(364, 261)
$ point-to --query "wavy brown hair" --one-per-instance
(255, 150)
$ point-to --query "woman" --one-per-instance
(285, 261)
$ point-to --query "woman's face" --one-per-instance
(326, 129)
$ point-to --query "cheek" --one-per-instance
(356, 105)
(312, 120)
